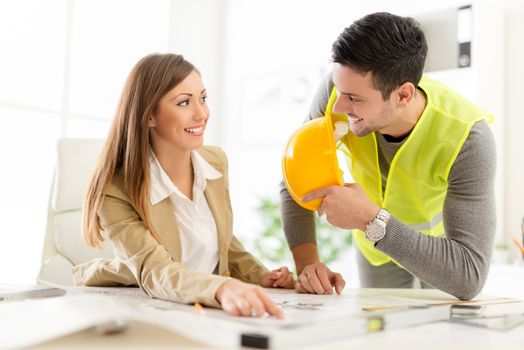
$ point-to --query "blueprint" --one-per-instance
(308, 318)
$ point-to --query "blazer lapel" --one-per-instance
(214, 193)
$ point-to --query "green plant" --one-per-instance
(502, 246)
(271, 245)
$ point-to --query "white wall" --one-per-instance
(31, 89)
(62, 68)
(197, 30)
(64, 62)
(513, 138)
(276, 54)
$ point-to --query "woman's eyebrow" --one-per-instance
(184, 93)
(188, 94)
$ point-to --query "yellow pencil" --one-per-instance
(200, 309)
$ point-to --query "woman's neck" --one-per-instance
(178, 167)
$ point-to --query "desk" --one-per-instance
(441, 335)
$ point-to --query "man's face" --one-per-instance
(360, 101)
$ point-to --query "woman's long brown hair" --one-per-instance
(127, 147)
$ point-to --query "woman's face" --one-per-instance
(182, 115)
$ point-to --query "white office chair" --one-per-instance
(64, 246)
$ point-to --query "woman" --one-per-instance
(162, 199)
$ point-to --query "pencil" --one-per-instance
(200, 309)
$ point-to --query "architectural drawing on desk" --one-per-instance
(288, 304)
(352, 301)
(299, 309)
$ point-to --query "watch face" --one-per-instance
(375, 231)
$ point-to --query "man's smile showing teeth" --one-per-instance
(355, 119)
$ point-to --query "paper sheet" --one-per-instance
(28, 322)
(85, 307)
(298, 308)
(305, 308)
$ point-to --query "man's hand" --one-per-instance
(347, 207)
(280, 277)
(318, 279)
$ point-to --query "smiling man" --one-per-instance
(423, 159)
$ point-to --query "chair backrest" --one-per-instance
(64, 246)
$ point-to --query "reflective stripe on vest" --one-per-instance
(418, 177)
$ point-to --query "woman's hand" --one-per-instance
(278, 278)
(243, 299)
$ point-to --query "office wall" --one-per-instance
(64, 62)
(62, 68)
(514, 140)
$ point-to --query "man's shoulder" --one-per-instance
(478, 153)
(321, 98)
(480, 138)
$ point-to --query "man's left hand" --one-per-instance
(346, 207)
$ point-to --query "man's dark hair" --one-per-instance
(393, 48)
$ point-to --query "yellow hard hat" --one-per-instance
(310, 160)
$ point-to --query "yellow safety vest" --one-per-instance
(418, 176)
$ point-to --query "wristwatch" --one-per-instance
(376, 229)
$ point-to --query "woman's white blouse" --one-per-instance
(196, 224)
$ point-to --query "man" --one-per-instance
(423, 159)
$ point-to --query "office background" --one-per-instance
(64, 62)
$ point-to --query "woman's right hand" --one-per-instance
(243, 299)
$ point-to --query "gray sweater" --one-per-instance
(457, 263)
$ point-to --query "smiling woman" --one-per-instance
(162, 199)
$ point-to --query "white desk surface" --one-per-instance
(441, 335)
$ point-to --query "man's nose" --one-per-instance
(340, 106)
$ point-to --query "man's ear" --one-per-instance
(404, 94)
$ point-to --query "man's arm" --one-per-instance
(459, 263)
(299, 223)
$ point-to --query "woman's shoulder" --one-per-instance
(115, 187)
(215, 156)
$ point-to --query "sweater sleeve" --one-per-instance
(459, 262)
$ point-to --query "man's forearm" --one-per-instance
(299, 228)
(298, 223)
(456, 266)
(305, 254)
